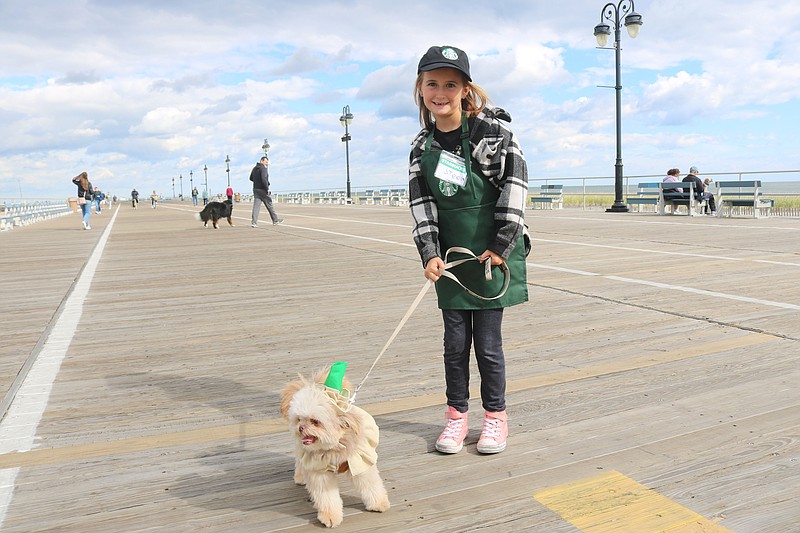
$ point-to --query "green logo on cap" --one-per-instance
(450, 54)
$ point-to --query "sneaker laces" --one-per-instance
(491, 428)
(453, 429)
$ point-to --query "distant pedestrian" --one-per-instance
(135, 198)
(98, 198)
(205, 197)
(194, 195)
(85, 191)
(260, 178)
(154, 199)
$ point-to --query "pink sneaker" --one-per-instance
(452, 438)
(494, 434)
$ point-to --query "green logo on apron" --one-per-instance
(447, 188)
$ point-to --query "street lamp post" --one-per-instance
(181, 178)
(191, 181)
(346, 119)
(633, 22)
(228, 169)
(205, 171)
(173, 187)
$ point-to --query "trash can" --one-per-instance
(237, 197)
(73, 203)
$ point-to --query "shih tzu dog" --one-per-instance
(332, 437)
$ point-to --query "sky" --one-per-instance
(141, 92)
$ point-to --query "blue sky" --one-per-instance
(137, 93)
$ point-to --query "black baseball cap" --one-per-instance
(444, 57)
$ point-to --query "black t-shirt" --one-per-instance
(451, 140)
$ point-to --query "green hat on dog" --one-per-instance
(336, 375)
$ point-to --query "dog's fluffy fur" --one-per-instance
(327, 441)
(214, 211)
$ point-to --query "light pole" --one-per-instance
(228, 169)
(191, 182)
(173, 187)
(205, 171)
(346, 119)
(633, 22)
(181, 178)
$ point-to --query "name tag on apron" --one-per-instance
(451, 168)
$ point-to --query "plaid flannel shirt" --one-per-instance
(494, 150)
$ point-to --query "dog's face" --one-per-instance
(315, 422)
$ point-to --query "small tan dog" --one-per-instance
(332, 437)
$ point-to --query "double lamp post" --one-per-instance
(633, 21)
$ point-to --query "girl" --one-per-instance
(467, 185)
(85, 194)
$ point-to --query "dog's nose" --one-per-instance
(302, 428)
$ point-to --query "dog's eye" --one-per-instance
(314, 422)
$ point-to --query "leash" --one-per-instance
(428, 283)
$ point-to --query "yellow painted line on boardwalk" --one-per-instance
(271, 426)
(612, 502)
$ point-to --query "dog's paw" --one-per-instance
(298, 478)
(331, 518)
(381, 505)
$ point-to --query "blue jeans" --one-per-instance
(86, 209)
(482, 328)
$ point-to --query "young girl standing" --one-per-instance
(468, 183)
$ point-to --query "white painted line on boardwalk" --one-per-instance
(18, 428)
(665, 252)
(667, 286)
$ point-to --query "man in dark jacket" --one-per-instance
(260, 178)
(700, 190)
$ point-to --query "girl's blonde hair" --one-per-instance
(475, 101)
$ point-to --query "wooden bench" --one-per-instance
(731, 194)
(646, 194)
(549, 195)
(669, 195)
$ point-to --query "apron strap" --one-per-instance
(488, 271)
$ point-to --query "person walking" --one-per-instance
(260, 178)
(205, 197)
(85, 195)
(468, 182)
(135, 198)
(194, 196)
(154, 199)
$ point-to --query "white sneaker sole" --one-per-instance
(491, 448)
(444, 448)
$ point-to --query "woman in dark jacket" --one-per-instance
(85, 195)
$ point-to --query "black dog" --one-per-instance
(215, 211)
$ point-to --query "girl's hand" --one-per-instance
(433, 268)
(488, 254)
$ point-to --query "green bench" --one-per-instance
(646, 194)
(549, 195)
(735, 194)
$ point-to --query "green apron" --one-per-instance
(466, 219)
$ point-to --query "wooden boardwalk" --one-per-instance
(653, 376)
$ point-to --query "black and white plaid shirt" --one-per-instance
(498, 156)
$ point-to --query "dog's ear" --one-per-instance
(350, 422)
(288, 393)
